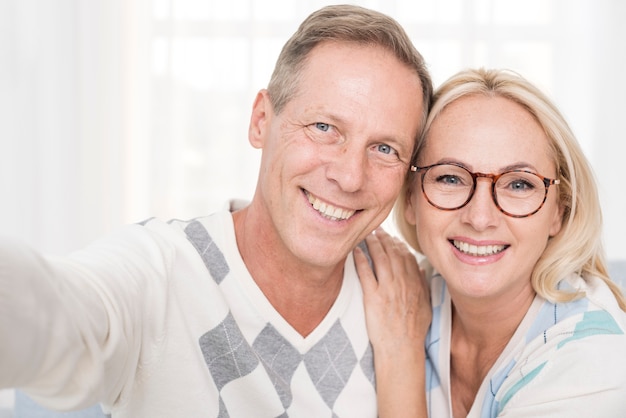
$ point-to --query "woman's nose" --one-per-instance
(481, 211)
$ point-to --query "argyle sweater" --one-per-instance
(564, 360)
(164, 320)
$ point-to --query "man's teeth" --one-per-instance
(329, 211)
(478, 250)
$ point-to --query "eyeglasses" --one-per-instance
(517, 193)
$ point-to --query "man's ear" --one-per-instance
(262, 112)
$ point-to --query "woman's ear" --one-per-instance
(557, 221)
(409, 208)
(262, 112)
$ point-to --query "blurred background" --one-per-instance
(113, 111)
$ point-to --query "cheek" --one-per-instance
(384, 182)
(428, 224)
(424, 211)
(294, 155)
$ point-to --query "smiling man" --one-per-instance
(256, 310)
(333, 162)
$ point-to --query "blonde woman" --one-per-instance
(525, 320)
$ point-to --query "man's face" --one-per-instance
(334, 159)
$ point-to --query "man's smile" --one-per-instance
(327, 210)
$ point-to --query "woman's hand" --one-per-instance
(397, 303)
(398, 314)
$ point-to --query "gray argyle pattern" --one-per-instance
(226, 353)
(229, 357)
(330, 363)
(211, 255)
(280, 360)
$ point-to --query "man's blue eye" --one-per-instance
(324, 127)
(385, 149)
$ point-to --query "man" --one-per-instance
(255, 311)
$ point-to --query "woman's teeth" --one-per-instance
(478, 250)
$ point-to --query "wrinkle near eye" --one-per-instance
(386, 151)
(323, 133)
(385, 154)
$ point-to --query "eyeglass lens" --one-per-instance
(517, 193)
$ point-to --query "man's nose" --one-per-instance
(348, 169)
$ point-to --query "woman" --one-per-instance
(525, 320)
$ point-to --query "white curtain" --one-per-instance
(117, 110)
(71, 106)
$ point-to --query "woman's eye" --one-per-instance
(324, 127)
(449, 179)
(521, 185)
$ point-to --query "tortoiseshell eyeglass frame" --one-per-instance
(494, 178)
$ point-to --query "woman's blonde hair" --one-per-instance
(577, 248)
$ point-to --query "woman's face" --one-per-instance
(480, 251)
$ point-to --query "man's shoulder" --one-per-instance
(218, 218)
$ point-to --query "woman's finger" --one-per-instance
(364, 271)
